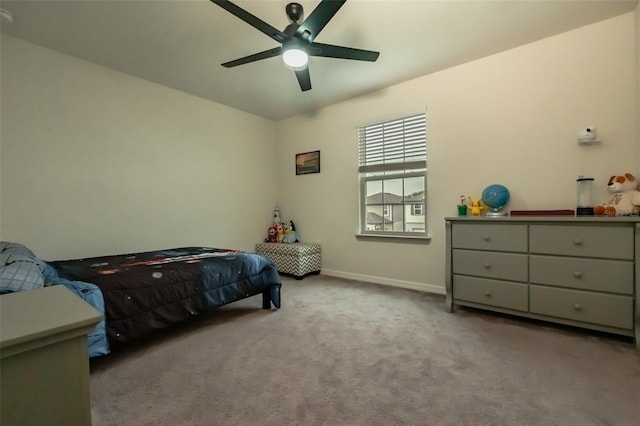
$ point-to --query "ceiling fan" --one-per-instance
(297, 38)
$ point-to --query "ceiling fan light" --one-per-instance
(295, 58)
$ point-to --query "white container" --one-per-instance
(584, 193)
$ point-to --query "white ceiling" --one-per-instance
(181, 43)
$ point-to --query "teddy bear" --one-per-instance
(624, 199)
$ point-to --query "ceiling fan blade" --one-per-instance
(332, 51)
(320, 16)
(252, 20)
(304, 79)
(255, 57)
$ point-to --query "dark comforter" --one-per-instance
(151, 290)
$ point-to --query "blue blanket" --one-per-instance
(22, 270)
(97, 338)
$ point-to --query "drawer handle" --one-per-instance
(577, 307)
(486, 237)
(487, 265)
(577, 274)
(487, 293)
(577, 242)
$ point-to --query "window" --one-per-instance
(392, 158)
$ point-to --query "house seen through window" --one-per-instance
(392, 158)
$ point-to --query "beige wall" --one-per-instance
(1, 238)
(98, 162)
(637, 27)
(510, 118)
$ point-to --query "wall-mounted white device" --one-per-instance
(588, 135)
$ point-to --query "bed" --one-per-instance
(139, 293)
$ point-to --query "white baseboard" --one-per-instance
(427, 288)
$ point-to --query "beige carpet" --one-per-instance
(349, 353)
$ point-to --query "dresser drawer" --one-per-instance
(498, 237)
(611, 276)
(595, 308)
(491, 292)
(487, 264)
(611, 242)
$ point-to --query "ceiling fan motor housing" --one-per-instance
(294, 11)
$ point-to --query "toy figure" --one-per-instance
(624, 199)
(476, 207)
(293, 229)
(290, 235)
(279, 232)
(272, 235)
(462, 207)
(276, 216)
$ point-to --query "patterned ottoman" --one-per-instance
(297, 259)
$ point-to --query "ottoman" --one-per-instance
(297, 259)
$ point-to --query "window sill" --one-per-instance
(382, 237)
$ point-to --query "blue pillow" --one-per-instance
(7, 247)
(20, 269)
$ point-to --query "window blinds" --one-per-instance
(399, 144)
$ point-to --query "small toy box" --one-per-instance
(297, 259)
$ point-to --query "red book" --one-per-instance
(565, 212)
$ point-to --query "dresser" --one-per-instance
(44, 362)
(578, 271)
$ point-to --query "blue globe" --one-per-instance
(495, 197)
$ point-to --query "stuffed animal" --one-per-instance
(272, 235)
(476, 207)
(290, 235)
(624, 199)
(279, 231)
(293, 229)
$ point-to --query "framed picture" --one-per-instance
(308, 162)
